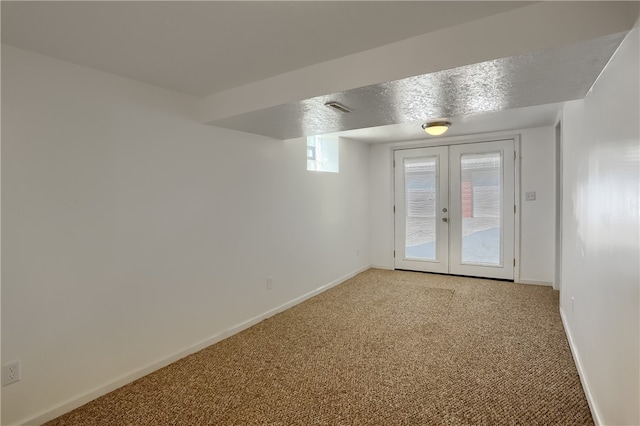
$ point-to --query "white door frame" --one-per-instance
(457, 141)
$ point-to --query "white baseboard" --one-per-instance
(388, 268)
(534, 282)
(80, 400)
(583, 378)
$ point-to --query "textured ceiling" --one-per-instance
(252, 64)
(496, 121)
(544, 77)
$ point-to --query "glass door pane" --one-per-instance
(481, 191)
(420, 181)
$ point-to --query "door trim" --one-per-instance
(397, 146)
(557, 277)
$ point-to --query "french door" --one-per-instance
(454, 209)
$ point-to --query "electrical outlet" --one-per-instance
(10, 373)
(269, 282)
(531, 196)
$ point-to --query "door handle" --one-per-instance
(444, 219)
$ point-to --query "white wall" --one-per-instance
(601, 247)
(381, 190)
(537, 217)
(133, 235)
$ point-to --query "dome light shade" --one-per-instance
(436, 128)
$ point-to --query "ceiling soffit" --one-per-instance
(542, 77)
(205, 47)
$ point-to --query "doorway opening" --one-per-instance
(455, 209)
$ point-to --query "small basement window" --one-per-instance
(322, 154)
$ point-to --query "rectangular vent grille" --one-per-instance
(338, 107)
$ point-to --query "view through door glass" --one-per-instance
(420, 191)
(481, 188)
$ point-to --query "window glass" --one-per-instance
(322, 154)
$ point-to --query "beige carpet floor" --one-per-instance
(384, 348)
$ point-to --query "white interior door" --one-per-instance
(421, 191)
(481, 231)
(454, 209)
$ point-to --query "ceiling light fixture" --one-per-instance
(436, 128)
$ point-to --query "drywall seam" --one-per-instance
(124, 379)
(583, 379)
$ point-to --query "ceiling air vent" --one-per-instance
(338, 107)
